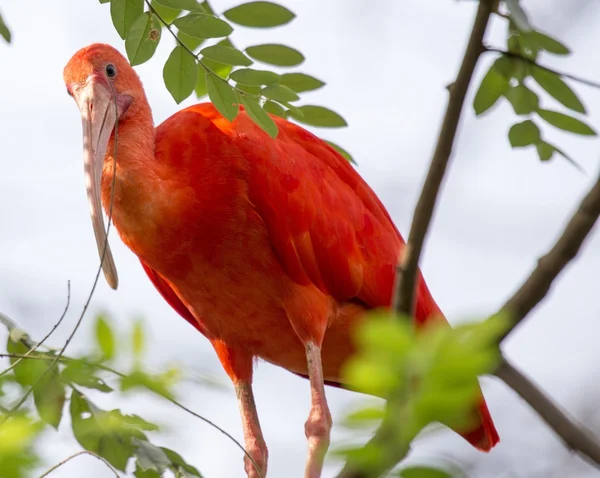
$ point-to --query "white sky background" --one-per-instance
(386, 65)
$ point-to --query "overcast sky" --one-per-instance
(386, 64)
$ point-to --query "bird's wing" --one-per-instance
(170, 296)
(327, 225)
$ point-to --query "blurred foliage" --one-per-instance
(4, 31)
(117, 437)
(515, 75)
(426, 374)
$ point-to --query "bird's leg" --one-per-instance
(238, 365)
(253, 438)
(318, 425)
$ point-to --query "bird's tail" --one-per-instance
(483, 434)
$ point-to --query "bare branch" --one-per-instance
(530, 61)
(575, 436)
(75, 455)
(537, 285)
(407, 273)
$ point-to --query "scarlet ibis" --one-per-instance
(272, 248)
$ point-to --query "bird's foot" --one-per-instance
(259, 453)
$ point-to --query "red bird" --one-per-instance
(272, 248)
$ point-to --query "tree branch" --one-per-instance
(406, 275)
(575, 436)
(530, 61)
(537, 285)
(75, 455)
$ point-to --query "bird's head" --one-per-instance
(106, 90)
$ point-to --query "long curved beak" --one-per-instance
(99, 113)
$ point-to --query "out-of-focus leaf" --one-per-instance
(342, 151)
(259, 116)
(105, 337)
(137, 338)
(83, 373)
(423, 472)
(4, 31)
(251, 77)
(190, 5)
(524, 134)
(565, 122)
(18, 458)
(226, 55)
(300, 82)
(179, 466)
(259, 15)
(142, 39)
(546, 42)
(49, 397)
(545, 150)
(124, 13)
(203, 25)
(223, 96)
(523, 100)
(493, 86)
(275, 54)
(280, 93)
(518, 15)
(180, 74)
(274, 109)
(557, 88)
(150, 457)
(139, 379)
(319, 116)
(28, 371)
(166, 13)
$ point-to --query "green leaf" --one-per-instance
(142, 39)
(222, 95)
(251, 77)
(104, 1)
(275, 54)
(259, 116)
(524, 134)
(423, 472)
(105, 338)
(226, 55)
(220, 69)
(179, 466)
(557, 88)
(137, 338)
(523, 100)
(49, 397)
(252, 90)
(166, 13)
(280, 93)
(4, 31)
(180, 74)
(518, 15)
(81, 372)
(551, 45)
(27, 371)
(201, 87)
(203, 25)
(190, 5)
(259, 15)
(493, 86)
(342, 151)
(191, 42)
(150, 457)
(274, 109)
(124, 13)
(319, 116)
(545, 150)
(300, 82)
(565, 122)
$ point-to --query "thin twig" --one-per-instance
(537, 285)
(75, 455)
(41, 342)
(406, 276)
(407, 272)
(574, 434)
(532, 62)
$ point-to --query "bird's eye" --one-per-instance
(111, 71)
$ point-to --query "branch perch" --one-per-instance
(406, 276)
